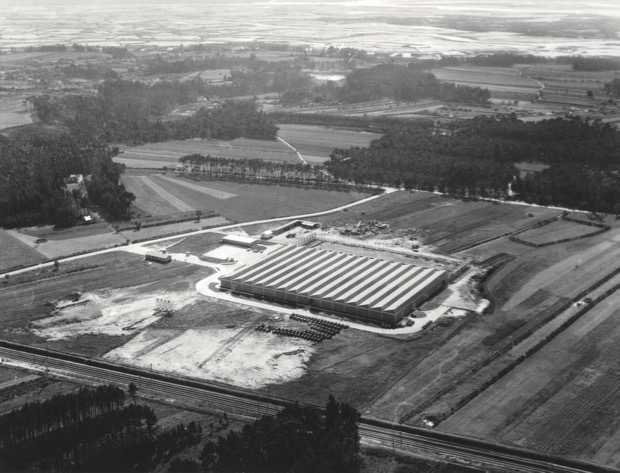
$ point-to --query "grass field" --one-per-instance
(14, 252)
(557, 230)
(315, 143)
(235, 201)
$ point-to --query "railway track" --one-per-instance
(203, 397)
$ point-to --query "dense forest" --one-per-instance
(130, 111)
(477, 158)
(33, 167)
(92, 429)
(407, 84)
(97, 429)
(32, 180)
(297, 440)
(612, 88)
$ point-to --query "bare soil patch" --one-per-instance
(120, 287)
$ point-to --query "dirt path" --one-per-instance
(303, 161)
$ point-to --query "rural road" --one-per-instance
(198, 232)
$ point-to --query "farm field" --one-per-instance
(502, 79)
(242, 202)
(562, 400)
(13, 112)
(448, 224)
(554, 268)
(168, 153)
(557, 230)
(14, 252)
(382, 107)
(316, 143)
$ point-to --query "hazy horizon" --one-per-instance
(556, 27)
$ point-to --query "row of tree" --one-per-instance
(477, 158)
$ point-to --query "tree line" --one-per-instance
(34, 166)
(33, 169)
(406, 84)
(92, 429)
(298, 439)
(477, 158)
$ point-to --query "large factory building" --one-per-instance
(360, 286)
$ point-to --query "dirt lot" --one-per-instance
(240, 202)
(120, 288)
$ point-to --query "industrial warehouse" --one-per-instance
(360, 286)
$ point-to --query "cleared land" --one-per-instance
(245, 202)
(445, 223)
(16, 253)
(120, 288)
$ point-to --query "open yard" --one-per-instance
(235, 201)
